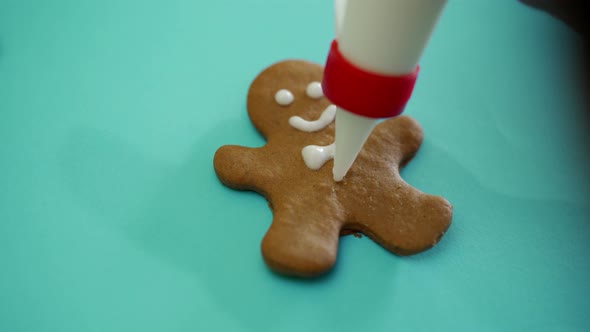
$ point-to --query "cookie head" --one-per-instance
(286, 89)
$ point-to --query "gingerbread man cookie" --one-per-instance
(294, 172)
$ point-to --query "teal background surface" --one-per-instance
(112, 219)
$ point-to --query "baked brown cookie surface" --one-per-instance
(310, 209)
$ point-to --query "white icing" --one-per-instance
(314, 90)
(310, 126)
(284, 97)
(316, 156)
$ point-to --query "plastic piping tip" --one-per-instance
(351, 133)
(339, 11)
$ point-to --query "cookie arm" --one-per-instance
(238, 167)
(401, 137)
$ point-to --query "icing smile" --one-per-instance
(311, 126)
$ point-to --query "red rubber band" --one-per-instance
(362, 92)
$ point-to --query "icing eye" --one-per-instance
(314, 90)
(284, 97)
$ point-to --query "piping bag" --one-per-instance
(372, 66)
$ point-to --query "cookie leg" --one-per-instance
(301, 242)
(410, 228)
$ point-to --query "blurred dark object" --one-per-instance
(572, 12)
(575, 14)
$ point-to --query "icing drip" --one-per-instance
(284, 97)
(314, 90)
(310, 126)
(316, 156)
